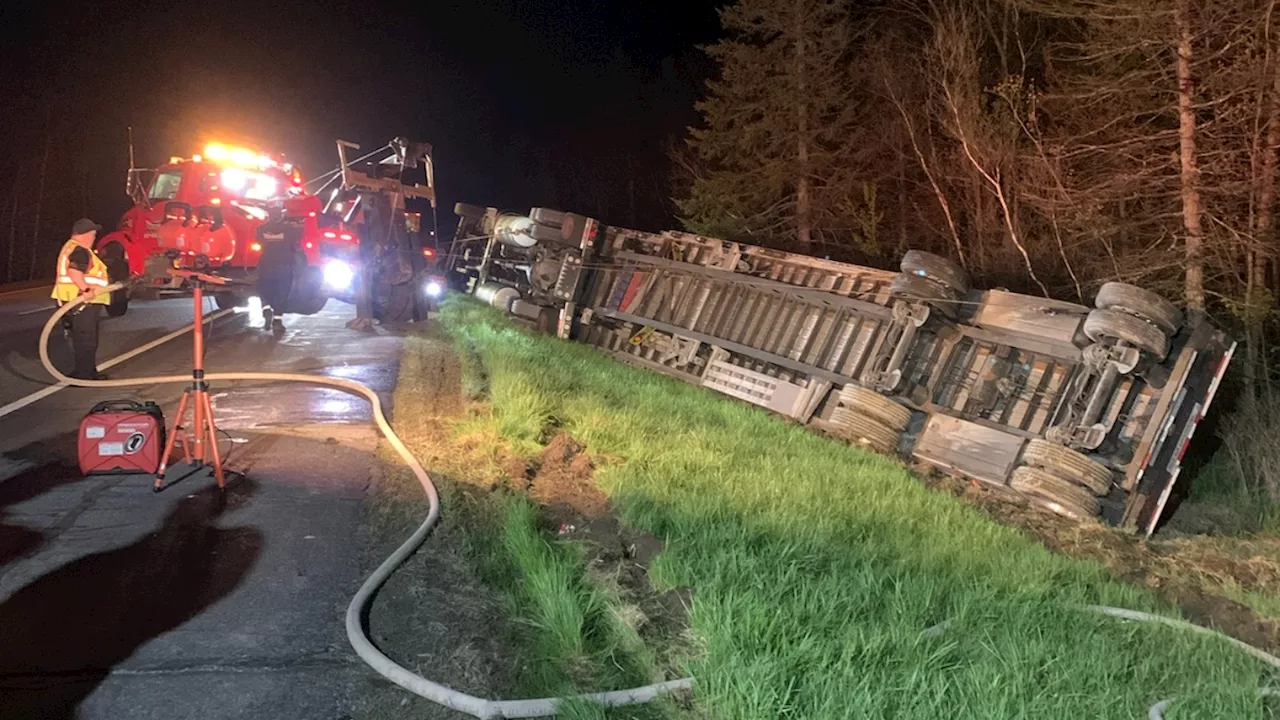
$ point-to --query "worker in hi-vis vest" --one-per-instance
(82, 272)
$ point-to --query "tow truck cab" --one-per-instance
(212, 207)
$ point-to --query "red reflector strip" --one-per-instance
(1183, 450)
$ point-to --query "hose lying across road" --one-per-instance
(435, 692)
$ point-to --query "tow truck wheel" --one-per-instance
(395, 303)
(937, 268)
(225, 300)
(876, 406)
(308, 297)
(1112, 326)
(1143, 303)
(865, 431)
(117, 271)
(1055, 493)
(1068, 464)
(275, 276)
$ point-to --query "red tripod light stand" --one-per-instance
(200, 442)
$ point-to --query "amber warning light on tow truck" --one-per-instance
(240, 157)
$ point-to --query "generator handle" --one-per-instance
(106, 405)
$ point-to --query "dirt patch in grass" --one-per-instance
(1198, 574)
(573, 507)
(449, 434)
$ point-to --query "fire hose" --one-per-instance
(435, 692)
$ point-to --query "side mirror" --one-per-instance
(136, 189)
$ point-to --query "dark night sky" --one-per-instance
(525, 102)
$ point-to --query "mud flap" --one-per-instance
(117, 271)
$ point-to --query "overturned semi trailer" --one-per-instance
(1086, 411)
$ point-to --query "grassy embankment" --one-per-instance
(815, 566)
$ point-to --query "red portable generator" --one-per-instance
(121, 437)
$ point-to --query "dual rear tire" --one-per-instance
(1133, 316)
(1061, 479)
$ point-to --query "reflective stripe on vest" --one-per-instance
(65, 290)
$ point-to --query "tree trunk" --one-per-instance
(35, 233)
(1191, 211)
(1263, 242)
(902, 205)
(804, 209)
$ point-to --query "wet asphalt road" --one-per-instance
(117, 602)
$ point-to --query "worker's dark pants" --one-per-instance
(84, 340)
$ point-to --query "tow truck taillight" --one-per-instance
(345, 236)
(310, 244)
(256, 247)
(329, 235)
(428, 252)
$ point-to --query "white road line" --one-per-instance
(46, 392)
(7, 293)
(47, 308)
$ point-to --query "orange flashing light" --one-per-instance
(237, 156)
(256, 247)
(428, 252)
(215, 201)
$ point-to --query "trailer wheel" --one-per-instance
(865, 431)
(547, 216)
(874, 405)
(546, 234)
(921, 289)
(937, 268)
(1068, 465)
(117, 263)
(1143, 303)
(1055, 493)
(474, 212)
(1111, 326)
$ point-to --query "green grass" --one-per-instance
(816, 566)
(571, 636)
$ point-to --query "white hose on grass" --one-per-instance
(385, 666)
(448, 697)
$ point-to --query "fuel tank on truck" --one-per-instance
(514, 230)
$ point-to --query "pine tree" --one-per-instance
(779, 125)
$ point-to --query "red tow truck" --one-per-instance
(232, 211)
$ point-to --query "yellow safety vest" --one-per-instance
(64, 290)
